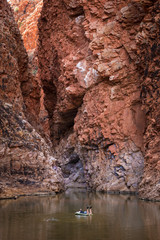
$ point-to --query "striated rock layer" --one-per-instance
(26, 161)
(97, 60)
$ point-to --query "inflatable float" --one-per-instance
(82, 213)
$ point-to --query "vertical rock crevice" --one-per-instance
(64, 106)
(100, 80)
(26, 161)
(26, 14)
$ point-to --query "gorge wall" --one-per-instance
(148, 44)
(99, 65)
(27, 13)
(96, 95)
(26, 161)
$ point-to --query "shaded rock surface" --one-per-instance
(26, 13)
(148, 42)
(25, 158)
(90, 62)
(70, 163)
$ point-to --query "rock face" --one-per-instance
(149, 49)
(26, 14)
(26, 162)
(93, 62)
(99, 103)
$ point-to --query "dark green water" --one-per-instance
(52, 218)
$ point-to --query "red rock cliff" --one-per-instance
(26, 162)
(93, 64)
(26, 13)
(99, 69)
(148, 44)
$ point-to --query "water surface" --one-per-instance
(116, 217)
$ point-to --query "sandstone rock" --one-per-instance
(131, 13)
(86, 75)
(109, 8)
(109, 125)
(26, 14)
(149, 65)
(99, 69)
(25, 158)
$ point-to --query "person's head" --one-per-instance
(90, 207)
(87, 207)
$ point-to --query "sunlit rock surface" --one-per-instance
(26, 162)
(26, 14)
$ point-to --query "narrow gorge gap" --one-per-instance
(45, 90)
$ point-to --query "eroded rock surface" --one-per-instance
(27, 13)
(99, 69)
(25, 158)
(149, 49)
(89, 60)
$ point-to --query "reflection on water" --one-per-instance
(116, 217)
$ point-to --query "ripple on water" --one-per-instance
(51, 220)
